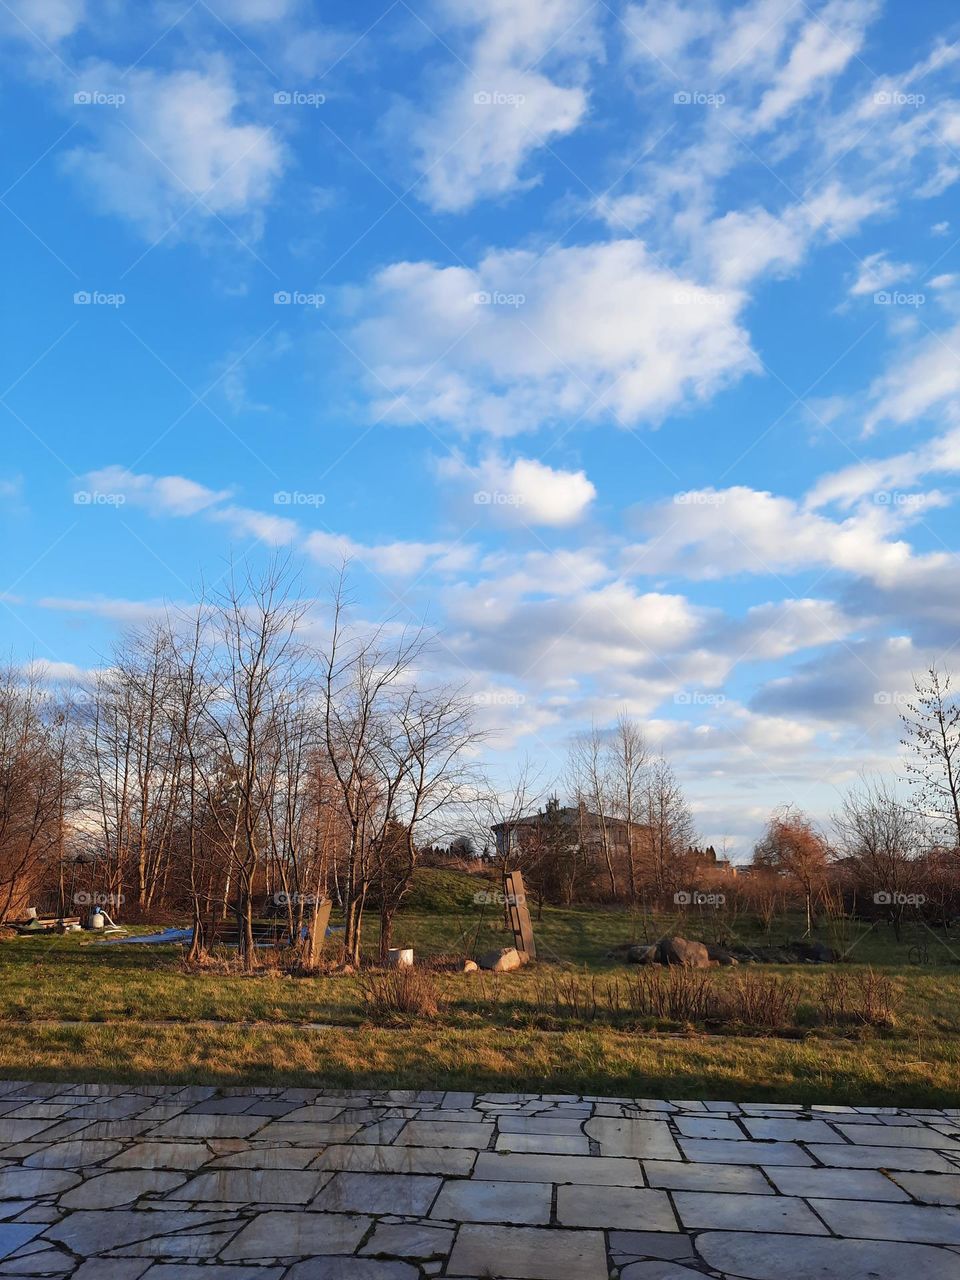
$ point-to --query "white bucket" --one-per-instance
(400, 958)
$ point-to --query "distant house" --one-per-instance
(585, 831)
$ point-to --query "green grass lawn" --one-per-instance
(72, 1009)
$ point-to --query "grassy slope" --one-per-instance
(492, 1033)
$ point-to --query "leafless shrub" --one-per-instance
(400, 993)
(860, 997)
(763, 1003)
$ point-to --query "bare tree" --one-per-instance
(360, 673)
(628, 764)
(33, 786)
(670, 822)
(932, 725)
(881, 840)
(256, 623)
(590, 781)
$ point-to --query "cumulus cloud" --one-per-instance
(716, 533)
(480, 127)
(177, 150)
(521, 340)
(524, 491)
(160, 495)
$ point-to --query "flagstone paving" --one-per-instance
(116, 1182)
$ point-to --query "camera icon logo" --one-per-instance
(682, 898)
(282, 98)
(282, 298)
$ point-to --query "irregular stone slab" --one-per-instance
(78, 1154)
(351, 1269)
(791, 1130)
(647, 1139)
(88, 1232)
(380, 1133)
(837, 1184)
(267, 1158)
(374, 1159)
(723, 1152)
(110, 1269)
(295, 1235)
(190, 1246)
(709, 1127)
(932, 1188)
(252, 1186)
(658, 1270)
(45, 1262)
(108, 1190)
(14, 1235)
(306, 1133)
(756, 1256)
(528, 1253)
(22, 1130)
(162, 1155)
(587, 1170)
(378, 1193)
(912, 1159)
(571, 1128)
(872, 1135)
(620, 1207)
(714, 1210)
(315, 1113)
(875, 1221)
(19, 1183)
(433, 1133)
(651, 1244)
(473, 1200)
(409, 1240)
(706, 1177)
(548, 1143)
(188, 1271)
(191, 1125)
(441, 1115)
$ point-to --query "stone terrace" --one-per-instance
(117, 1183)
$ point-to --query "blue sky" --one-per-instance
(619, 341)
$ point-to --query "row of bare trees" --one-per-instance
(246, 751)
(233, 754)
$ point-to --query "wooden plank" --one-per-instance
(519, 914)
(323, 919)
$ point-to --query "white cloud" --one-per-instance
(392, 559)
(824, 46)
(712, 534)
(47, 20)
(578, 332)
(877, 271)
(177, 150)
(887, 478)
(926, 378)
(524, 491)
(160, 495)
(482, 126)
